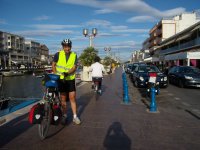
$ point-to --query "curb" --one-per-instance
(17, 111)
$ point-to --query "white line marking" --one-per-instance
(170, 94)
(196, 110)
(186, 104)
(176, 98)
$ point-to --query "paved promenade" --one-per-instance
(107, 124)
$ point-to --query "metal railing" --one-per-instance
(182, 46)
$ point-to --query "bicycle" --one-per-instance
(96, 86)
(51, 98)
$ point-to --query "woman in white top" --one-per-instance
(97, 70)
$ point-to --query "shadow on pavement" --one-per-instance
(191, 113)
(13, 129)
(55, 129)
(116, 139)
(83, 101)
(144, 98)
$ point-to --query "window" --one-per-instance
(176, 70)
(172, 70)
(8, 43)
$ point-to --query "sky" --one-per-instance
(122, 25)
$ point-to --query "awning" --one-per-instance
(183, 55)
(151, 59)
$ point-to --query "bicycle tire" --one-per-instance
(43, 127)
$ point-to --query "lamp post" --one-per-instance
(107, 49)
(91, 36)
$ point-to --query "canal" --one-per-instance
(27, 86)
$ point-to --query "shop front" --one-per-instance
(183, 59)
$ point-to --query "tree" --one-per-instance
(108, 61)
(88, 55)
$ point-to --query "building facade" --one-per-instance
(12, 50)
(168, 27)
(33, 49)
(16, 51)
(182, 49)
(44, 53)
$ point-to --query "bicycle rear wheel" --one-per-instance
(43, 127)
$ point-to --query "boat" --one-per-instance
(12, 73)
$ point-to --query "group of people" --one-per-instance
(65, 64)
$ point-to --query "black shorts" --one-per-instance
(66, 86)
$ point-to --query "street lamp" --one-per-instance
(91, 36)
(107, 49)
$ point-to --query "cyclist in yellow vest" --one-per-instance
(65, 64)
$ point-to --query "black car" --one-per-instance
(141, 76)
(134, 65)
(184, 76)
(128, 68)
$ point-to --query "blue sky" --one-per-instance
(122, 24)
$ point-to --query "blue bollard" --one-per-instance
(126, 97)
(153, 106)
(125, 89)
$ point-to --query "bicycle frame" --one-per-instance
(51, 97)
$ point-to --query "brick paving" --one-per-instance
(107, 124)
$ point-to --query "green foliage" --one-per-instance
(108, 61)
(88, 55)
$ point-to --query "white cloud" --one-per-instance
(79, 38)
(41, 18)
(111, 35)
(98, 23)
(103, 11)
(121, 44)
(131, 30)
(119, 27)
(137, 6)
(53, 26)
(43, 32)
(142, 19)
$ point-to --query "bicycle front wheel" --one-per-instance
(43, 127)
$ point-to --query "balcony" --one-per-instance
(158, 40)
(182, 46)
(158, 32)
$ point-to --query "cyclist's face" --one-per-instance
(66, 48)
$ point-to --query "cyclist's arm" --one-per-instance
(72, 70)
(54, 67)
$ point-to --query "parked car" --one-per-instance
(134, 65)
(140, 76)
(184, 76)
(128, 68)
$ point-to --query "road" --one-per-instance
(172, 97)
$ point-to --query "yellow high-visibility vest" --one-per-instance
(63, 66)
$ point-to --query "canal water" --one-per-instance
(27, 86)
